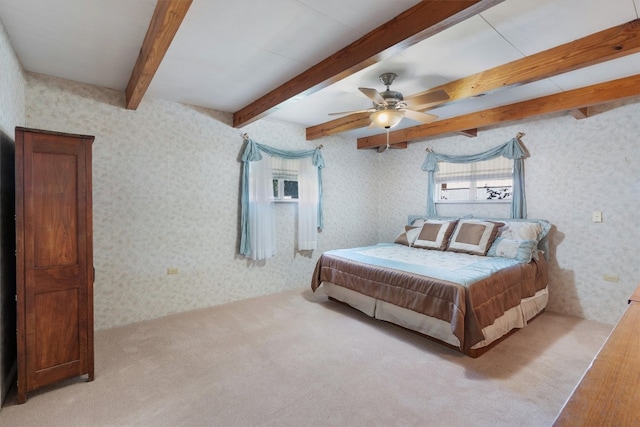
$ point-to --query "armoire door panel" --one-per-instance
(56, 328)
(54, 180)
(54, 258)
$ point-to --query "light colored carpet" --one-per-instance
(297, 359)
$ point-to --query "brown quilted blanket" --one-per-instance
(467, 309)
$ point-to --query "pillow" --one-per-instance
(418, 222)
(434, 235)
(408, 236)
(421, 219)
(520, 250)
(473, 236)
(521, 230)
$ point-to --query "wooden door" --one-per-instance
(54, 258)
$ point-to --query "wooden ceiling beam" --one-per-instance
(400, 145)
(423, 20)
(580, 113)
(339, 125)
(565, 101)
(166, 19)
(469, 133)
(600, 47)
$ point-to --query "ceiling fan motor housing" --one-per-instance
(391, 97)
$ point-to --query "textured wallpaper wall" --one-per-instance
(12, 86)
(166, 182)
(575, 168)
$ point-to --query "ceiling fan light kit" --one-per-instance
(386, 118)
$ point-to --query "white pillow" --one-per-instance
(520, 230)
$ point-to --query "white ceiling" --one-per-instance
(227, 54)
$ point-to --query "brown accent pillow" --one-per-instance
(408, 236)
(473, 236)
(470, 233)
(435, 235)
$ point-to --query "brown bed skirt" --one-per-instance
(467, 310)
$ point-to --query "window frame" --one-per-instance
(280, 198)
(473, 180)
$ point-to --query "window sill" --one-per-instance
(473, 202)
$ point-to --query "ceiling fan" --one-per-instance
(390, 107)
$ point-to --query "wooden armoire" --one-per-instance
(54, 256)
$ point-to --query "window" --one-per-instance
(514, 171)
(285, 179)
(261, 165)
(285, 190)
(483, 181)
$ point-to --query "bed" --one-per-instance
(467, 283)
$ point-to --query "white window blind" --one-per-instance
(497, 168)
(285, 168)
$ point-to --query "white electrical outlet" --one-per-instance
(596, 216)
(173, 270)
(611, 278)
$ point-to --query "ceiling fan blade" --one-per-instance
(426, 100)
(373, 95)
(369, 110)
(419, 116)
